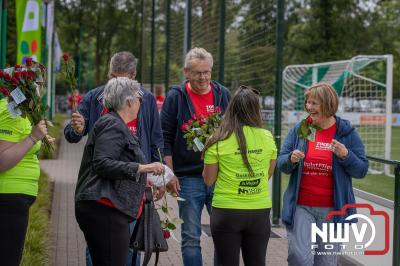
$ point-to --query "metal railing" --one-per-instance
(396, 225)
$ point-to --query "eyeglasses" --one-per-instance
(243, 87)
(199, 74)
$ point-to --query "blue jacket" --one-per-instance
(149, 133)
(355, 165)
(178, 109)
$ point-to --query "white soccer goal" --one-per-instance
(364, 84)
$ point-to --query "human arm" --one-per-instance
(169, 122)
(272, 164)
(172, 185)
(156, 137)
(284, 162)
(211, 165)
(355, 162)
(110, 143)
(210, 173)
(11, 153)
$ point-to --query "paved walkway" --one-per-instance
(68, 244)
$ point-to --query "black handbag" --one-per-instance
(148, 235)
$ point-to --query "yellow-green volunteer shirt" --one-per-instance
(235, 188)
(23, 177)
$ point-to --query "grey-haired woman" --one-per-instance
(112, 176)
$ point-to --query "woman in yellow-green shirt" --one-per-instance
(19, 174)
(240, 158)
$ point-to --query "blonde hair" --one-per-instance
(326, 95)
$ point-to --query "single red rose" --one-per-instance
(30, 75)
(217, 109)
(4, 91)
(166, 234)
(14, 81)
(7, 76)
(309, 120)
(24, 74)
(65, 56)
(18, 75)
(29, 61)
(185, 127)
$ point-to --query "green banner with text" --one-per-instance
(28, 29)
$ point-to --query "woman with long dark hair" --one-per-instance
(240, 158)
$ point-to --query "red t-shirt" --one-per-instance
(159, 102)
(203, 103)
(132, 125)
(316, 187)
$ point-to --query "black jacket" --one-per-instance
(109, 166)
(178, 109)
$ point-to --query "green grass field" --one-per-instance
(380, 185)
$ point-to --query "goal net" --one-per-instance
(364, 85)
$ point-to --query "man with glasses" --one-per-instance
(147, 125)
(198, 95)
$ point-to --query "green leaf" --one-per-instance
(171, 226)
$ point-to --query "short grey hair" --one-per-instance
(122, 63)
(198, 53)
(118, 90)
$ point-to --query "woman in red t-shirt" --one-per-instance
(321, 174)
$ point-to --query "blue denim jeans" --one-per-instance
(299, 239)
(89, 261)
(196, 195)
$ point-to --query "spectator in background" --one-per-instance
(146, 126)
(321, 174)
(240, 158)
(159, 95)
(198, 95)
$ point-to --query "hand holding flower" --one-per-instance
(296, 156)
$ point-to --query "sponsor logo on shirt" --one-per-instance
(323, 146)
(210, 108)
(6, 131)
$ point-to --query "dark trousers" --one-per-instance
(106, 231)
(14, 216)
(234, 229)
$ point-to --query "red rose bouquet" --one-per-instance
(23, 86)
(197, 129)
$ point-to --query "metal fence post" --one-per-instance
(167, 44)
(396, 231)
(221, 41)
(276, 188)
(3, 33)
(153, 43)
